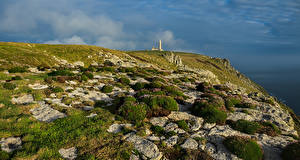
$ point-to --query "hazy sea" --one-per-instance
(283, 84)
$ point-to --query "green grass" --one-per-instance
(183, 125)
(107, 89)
(244, 148)
(246, 126)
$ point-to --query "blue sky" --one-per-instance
(266, 33)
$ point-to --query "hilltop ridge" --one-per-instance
(89, 102)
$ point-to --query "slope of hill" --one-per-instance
(88, 102)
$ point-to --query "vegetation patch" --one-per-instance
(17, 70)
(138, 86)
(183, 125)
(63, 72)
(211, 112)
(245, 126)
(124, 80)
(165, 102)
(133, 112)
(244, 148)
(107, 89)
(9, 86)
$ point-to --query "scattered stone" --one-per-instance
(88, 108)
(45, 113)
(37, 86)
(92, 115)
(159, 121)
(197, 123)
(70, 153)
(25, 99)
(78, 64)
(134, 157)
(153, 138)
(10, 144)
(176, 116)
(172, 141)
(145, 147)
(209, 126)
(116, 128)
(190, 143)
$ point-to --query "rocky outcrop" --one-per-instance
(69, 153)
(172, 58)
(45, 113)
(25, 99)
(10, 144)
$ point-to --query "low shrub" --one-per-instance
(63, 72)
(202, 87)
(165, 102)
(107, 89)
(138, 86)
(100, 103)
(107, 69)
(17, 70)
(89, 75)
(245, 105)
(84, 78)
(9, 86)
(16, 78)
(245, 126)
(133, 112)
(183, 125)
(154, 84)
(57, 89)
(158, 130)
(210, 112)
(269, 129)
(243, 148)
(4, 155)
(291, 152)
(173, 91)
(124, 80)
(230, 102)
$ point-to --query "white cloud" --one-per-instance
(72, 40)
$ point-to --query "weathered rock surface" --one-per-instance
(70, 153)
(45, 113)
(116, 128)
(190, 143)
(25, 99)
(145, 147)
(159, 121)
(37, 86)
(10, 144)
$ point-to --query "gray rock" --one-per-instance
(173, 127)
(197, 123)
(190, 143)
(88, 108)
(148, 149)
(37, 86)
(209, 126)
(78, 64)
(153, 138)
(10, 144)
(25, 99)
(159, 121)
(92, 115)
(70, 153)
(172, 141)
(45, 113)
(176, 116)
(116, 128)
(134, 157)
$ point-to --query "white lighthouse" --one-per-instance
(159, 47)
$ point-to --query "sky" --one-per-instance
(256, 36)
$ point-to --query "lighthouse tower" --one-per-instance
(159, 47)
